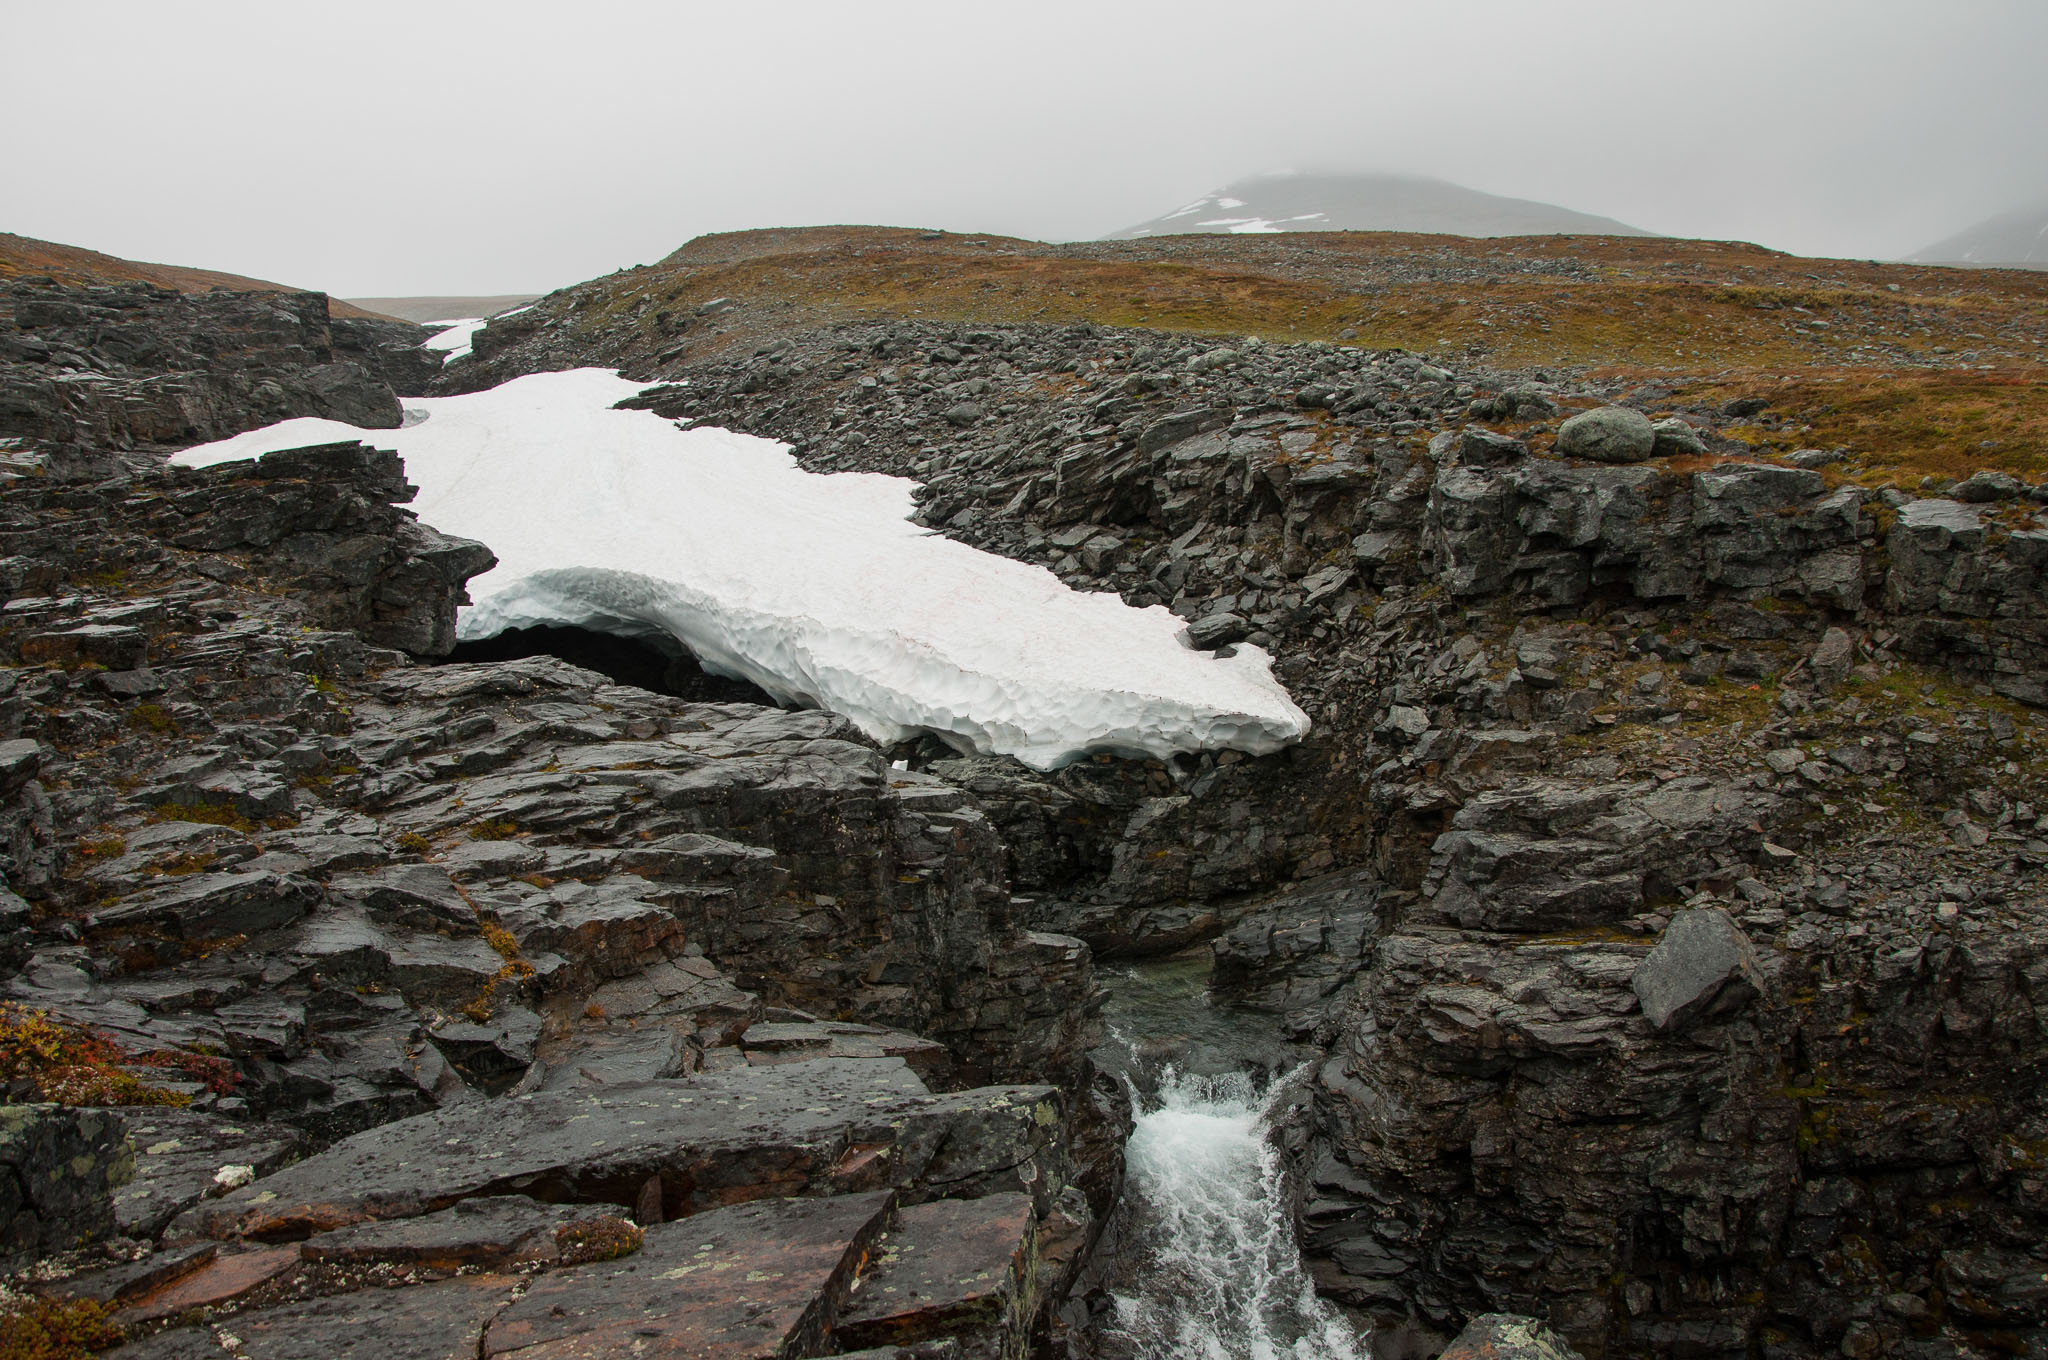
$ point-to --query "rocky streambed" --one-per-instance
(1651, 925)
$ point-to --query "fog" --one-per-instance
(440, 147)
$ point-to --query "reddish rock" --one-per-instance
(495, 1231)
(753, 1282)
(826, 1126)
(954, 1267)
(222, 1280)
(133, 1280)
(443, 1321)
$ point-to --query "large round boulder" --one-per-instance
(1611, 434)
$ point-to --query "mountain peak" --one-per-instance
(2011, 240)
(1290, 200)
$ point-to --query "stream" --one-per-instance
(1203, 1263)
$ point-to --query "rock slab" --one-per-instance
(59, 1169)
(1704, 961)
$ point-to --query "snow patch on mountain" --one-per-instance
(818, 589)
(2013, 240)
(1297, 201)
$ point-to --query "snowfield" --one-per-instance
(453, 342)
(818, 589)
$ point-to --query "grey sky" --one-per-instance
(442, 146)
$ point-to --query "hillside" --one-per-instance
(2013, 240)
(1926, 371)
(76, 265)
(1352, 202)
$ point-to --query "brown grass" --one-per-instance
(76, 266)
(1905, 424)
(1918, 370)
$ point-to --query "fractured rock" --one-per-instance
(1832, 659)
(59, 1169)
(442, 1321)
(951, 1267)
(179, 1155)
(806, 1127)
(1506, 1336)
(749, 1282)
(494, 1231)
(1703, 962)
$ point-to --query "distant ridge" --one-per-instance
(76, 265)
(445, 308)
(2013, 240)
(1287, 201)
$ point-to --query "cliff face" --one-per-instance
(1661, 880)
(93, 372)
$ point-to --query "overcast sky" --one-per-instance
(436, 146)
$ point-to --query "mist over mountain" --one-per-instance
(1291, 201)
(443, 307)
(2017, 239)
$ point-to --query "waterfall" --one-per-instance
(1213, 1272)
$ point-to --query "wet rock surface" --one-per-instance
(58, 1171)
(1660, 887)
(1661, 880)
(1503, 1336)
(439, 981)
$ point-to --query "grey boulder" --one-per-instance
(1704, 962)
(1676, 439)
(1611, 434)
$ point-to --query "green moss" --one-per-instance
(148, 717)
(213, 814)
(56, 1329)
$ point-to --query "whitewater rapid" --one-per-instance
(1214, 1270)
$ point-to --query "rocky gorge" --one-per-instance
(1656, 902)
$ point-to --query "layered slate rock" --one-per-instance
(493, 1231)
(317, 891)
(958, 1268)
(1521, 666)
(1559, 703)
(815, 1127)
(183, 1156)
(750, 1282)
(443, 1321)
(87, 371)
